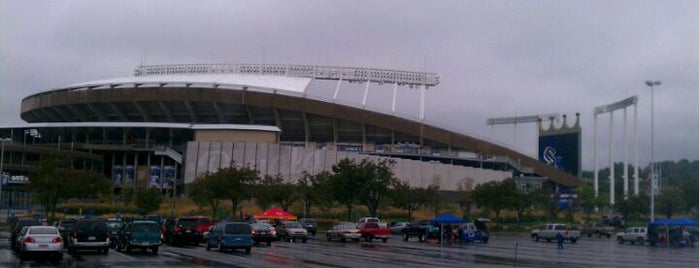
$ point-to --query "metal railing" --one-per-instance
(350, 74)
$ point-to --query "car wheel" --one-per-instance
(155, 250)
(220, 247)
(620, 239)
(485, 240)
(573, 240)
(208, 246)
(247, 250)
(535, 237)
(423, 238)
(269, 243)
(105, 251)
(128, 248)
(59, 256)
(384, 240)
(327, 236)
(548, 239)
(304, 240)
(405, 237)
(640, 241)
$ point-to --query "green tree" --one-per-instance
(378, 180)
(273, 189)
(238, 183)
(313, 189)
(633, 207)
(587, 201)
(514, 198)
(411, 198)
(148, 200)
(670, 201)
(54, 181)
(490, 195)
(207, 191)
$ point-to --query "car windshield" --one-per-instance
(114, 224)
(242, 228)
(91, 225)
(292, 224)
(43, 230)
(144, 227)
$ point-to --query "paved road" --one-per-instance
(503, 250)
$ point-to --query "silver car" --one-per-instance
(344, 231)
(41, 240)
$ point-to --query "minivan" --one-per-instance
(230, 235)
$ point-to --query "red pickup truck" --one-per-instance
(372, 230)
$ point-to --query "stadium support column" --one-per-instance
(366, 92)
(337, 89)
(594, 154)
(611, 158)
(422, 101)
(635, 141)
(395, 92)
(626, 160)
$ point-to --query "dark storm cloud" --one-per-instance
(495, 58)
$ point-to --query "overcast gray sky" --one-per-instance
(495, 58)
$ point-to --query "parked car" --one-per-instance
(344, 231)
(114, 226)
(187, 230)
(65, 227)
(633, 235)
(142, 234)
(263, 232)
(598, 229)
(470, 232)
(422, 229)
(373, 230)
(230, 235)
(89, 234)
(291, 231)
(310, 225)
(549, 232)
(17, 227)
(41, 240)
(397, 227)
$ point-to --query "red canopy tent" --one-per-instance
(275, 214)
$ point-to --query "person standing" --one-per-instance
(559, 240)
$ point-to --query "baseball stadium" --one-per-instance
(166, 124)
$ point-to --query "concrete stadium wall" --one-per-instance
(290, 162)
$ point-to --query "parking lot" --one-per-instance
(503, 250)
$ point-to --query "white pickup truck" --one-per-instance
(549, 231)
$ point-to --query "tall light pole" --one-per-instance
(2, 159)
(652, 151)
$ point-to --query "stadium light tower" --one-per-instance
(654, 180)
(519, 120)
(610, 108)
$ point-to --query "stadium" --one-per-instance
(167, 124)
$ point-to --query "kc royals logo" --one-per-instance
(551, 159)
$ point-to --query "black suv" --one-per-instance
(188, 230)
(310, 225)
(89, 234)
(17, 226)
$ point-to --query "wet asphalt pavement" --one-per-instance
(503, 250)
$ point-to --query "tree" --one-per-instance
(378, 180)
(238, 184)
(587, 201)
(514, 198)
(54, 181)
(313, 189)
(489, 195)
(273, 189)
(206, 191)
(411, 198)
(148, 200)
(670, 201)
(633, 207)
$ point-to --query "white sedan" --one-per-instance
(41, 240)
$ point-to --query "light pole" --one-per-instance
(2, 160)
(652, 145)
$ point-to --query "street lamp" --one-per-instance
(653, 181)
(2, 160)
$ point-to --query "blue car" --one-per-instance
(230, 235)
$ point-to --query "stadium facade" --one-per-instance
(168, 123)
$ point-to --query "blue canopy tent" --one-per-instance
(446, 218)
(676, 222)
(667, 223)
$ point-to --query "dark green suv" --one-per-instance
(143, 234)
